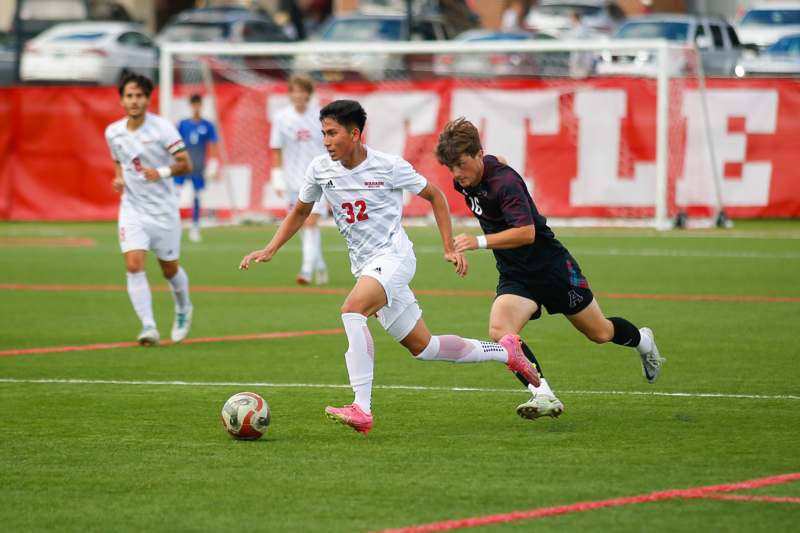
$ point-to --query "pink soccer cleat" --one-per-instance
(517, 362)
(350, 415)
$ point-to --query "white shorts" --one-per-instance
(138, 233)
(394, 272)
(320, 208)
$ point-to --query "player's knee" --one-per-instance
(599, 336)
(352, 307)
(498, 332)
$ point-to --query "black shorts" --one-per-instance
(559, 288)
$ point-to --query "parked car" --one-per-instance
(782, 58)
(230, 25)
(497, 64)
(716, 41)
(553, 17)
(366, 28)
(7, 59)
(222, 24)
(764, 24)
(96, 52)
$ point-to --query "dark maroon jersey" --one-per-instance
(501, 201)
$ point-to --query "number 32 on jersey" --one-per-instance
(356, 212)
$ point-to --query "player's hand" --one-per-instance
(118, 184)
(459, 261)
(464, 242)
(151, 174)
(259, 256)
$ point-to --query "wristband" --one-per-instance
(481, 242)
(164, 172)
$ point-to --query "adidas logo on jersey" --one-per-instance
(377, 269)
(330, 185)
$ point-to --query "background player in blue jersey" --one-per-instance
(200, 138)
(535, 268)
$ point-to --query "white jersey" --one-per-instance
(367, 202)
(151, 145)
(299, 138)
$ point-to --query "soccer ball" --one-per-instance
(246, 416)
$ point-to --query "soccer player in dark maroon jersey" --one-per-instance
(536, 270)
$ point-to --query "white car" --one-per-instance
(95, 52)
(715, 39)
(781, 59)
(764, 24)
(552, 17)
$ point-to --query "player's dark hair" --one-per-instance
(348, 113)
(144, 83)
(195, 99)
(302, 82)
(458, 137)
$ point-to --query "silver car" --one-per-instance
(715, 39)
(553, 17)
(780, 59)
(94, 52)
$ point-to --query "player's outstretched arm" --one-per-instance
(293, 222)
(504, 240)
(441, 213)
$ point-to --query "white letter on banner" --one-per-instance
(696, 184)
(392, 116)
(597, 183)
(501, 116)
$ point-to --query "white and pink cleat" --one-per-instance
(350, 415)
(517, 362)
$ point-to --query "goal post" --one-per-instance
(593, 147)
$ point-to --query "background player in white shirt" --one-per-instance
(365, 190)
(148, 150)
(295, 140)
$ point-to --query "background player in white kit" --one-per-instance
(365, 190)
(295, 140)
(148, 150)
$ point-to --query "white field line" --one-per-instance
(575, 250)
(244, 385)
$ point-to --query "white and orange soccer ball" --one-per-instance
(246, 416)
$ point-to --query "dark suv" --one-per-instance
(369, 28)
(231, 25)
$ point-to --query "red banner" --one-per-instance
(586, 148)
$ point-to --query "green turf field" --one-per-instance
(129, 439)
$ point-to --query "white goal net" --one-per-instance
(602, 132)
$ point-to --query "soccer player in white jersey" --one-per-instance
(147, 151)
(365, 190)
(295, 140)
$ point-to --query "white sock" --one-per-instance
(360, 358)
(319, 261)
(179, 283)
(309, 252)
(645, 344)
(459, 350)
(542, 389)
(141, 298)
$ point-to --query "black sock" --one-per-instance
(532, 358)
(625, 333)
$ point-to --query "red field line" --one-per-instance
(751, 498)
(424, 292)
(697, 492)
(50, 242)
(199, 340)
